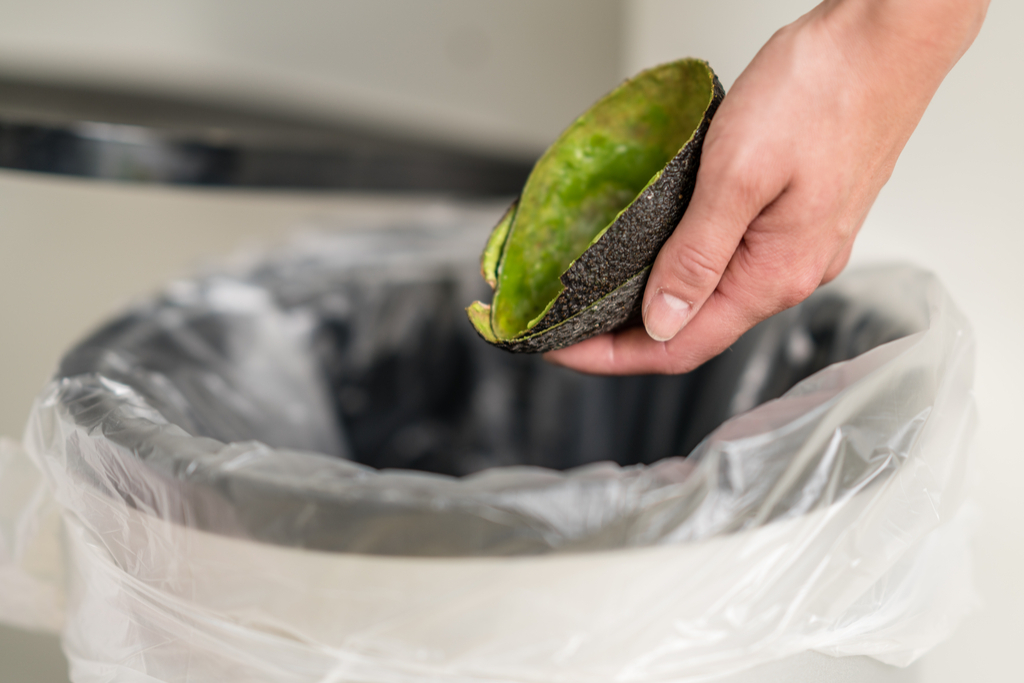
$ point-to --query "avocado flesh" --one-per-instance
(591, 174)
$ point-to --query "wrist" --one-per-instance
(920, 39)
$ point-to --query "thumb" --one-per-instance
(690, 265)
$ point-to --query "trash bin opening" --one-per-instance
(391, 375)
(333, 396)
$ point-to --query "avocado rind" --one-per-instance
(603, 288)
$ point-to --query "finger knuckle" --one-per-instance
(694, 267)
(799, 287)
(748, 186)
(736, 172)
(836, 267)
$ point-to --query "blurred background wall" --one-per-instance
(498, 79)
(493, 75)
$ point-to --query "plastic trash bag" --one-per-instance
(309, 469)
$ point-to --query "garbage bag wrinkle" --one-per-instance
(307, 469)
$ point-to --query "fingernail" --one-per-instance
(665, 316)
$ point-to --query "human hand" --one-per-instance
(792, 162)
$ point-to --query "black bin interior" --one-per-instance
(409, 385)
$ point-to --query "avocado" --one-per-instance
(570, 257)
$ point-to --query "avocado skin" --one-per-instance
(615, 310)
(604, 287)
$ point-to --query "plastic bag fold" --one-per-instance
(222, 520)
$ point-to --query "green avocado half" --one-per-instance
(570, 257)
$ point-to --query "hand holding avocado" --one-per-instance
(791, 164)
(570, 257)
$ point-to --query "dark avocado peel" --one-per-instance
(570, 258)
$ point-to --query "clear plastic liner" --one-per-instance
(310, 469)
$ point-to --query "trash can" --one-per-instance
(306, 467)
